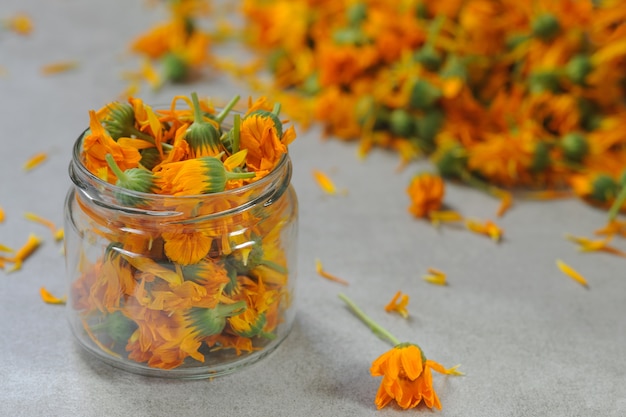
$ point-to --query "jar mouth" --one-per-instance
(103, 193)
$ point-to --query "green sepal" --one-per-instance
(116, 326)
(211, 321)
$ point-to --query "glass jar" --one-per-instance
(183, 287)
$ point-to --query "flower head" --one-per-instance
(426, 192)
(407, 377)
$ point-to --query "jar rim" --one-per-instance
(78, 163)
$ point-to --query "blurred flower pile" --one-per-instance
(499, 94)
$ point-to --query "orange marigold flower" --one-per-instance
(98, 143)
(259, 136)
(398, 304)
(426, 192)
(407, 377)
(2, 215)
(186, 246)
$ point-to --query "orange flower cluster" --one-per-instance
(498, 94)
(167, 293)
(179, 46)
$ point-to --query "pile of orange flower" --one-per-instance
(167, 294)
(511, 94)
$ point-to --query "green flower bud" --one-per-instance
(450, 161)
(428, 57)
(541, 157)
(514, 40)
(150, 158)
(423, 95)
(356, 13)
(575, 146)
(120, 123)
(590, 115)
(311, 85)
(401, 122)
(133, 179)
(349, 36)
(175, 68)
(604, 188)
(274, 59)
(545, 27)
(202, 136)
(116, 326)
(578, 68)
(256, 328)
(421, 11)
(210, 321)
(429, 125)
(454, 68)
(541, 81)
(216, 175)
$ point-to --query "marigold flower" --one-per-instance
(407, 377)
(259, 136)
(426, 192)
(2, 214)
(406, 372)
(186, 246)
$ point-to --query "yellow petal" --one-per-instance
(320, 270)
(48, 298)
(57, 67)
(324, 182)
(35, 161)
(236, 159)
(570, 272)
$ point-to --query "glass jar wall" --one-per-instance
(184, 287)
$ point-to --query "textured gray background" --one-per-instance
(531, 341)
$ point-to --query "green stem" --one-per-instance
(222, 115)
(236, 133)
(198, 117)
(617, 204)
(121, 176)
(276, 109)
(375, 327)
(239, 175)
(472, 181)
(273, 265)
